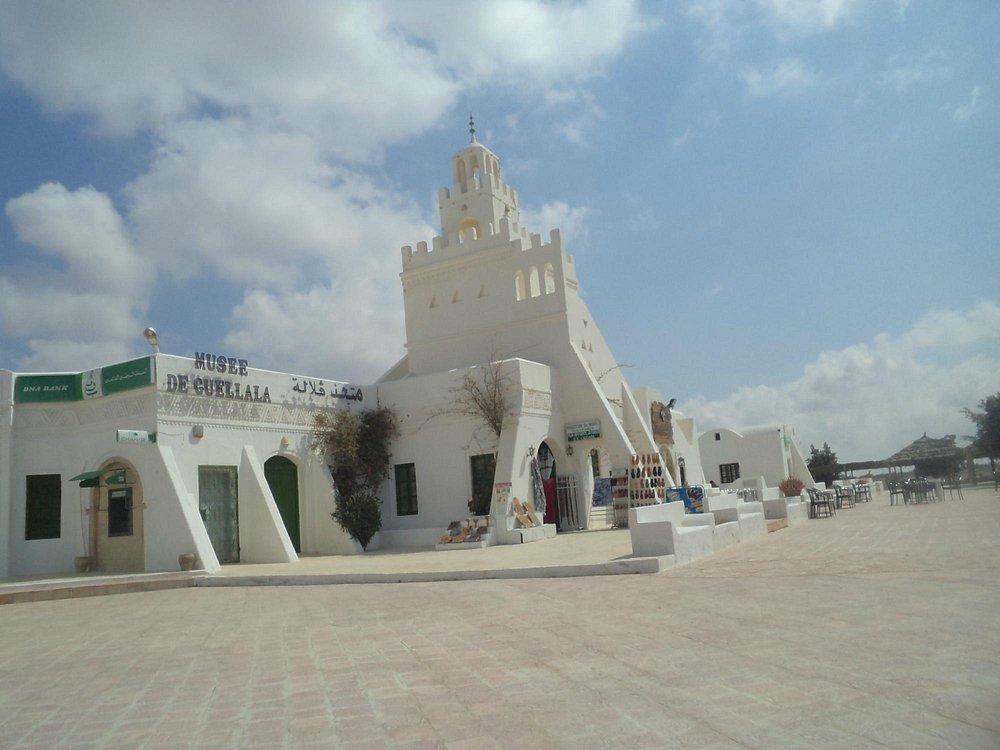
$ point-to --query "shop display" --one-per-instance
(642, 483)
(468, 530)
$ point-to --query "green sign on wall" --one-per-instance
(127, 375)
(32, 388)
(75, 386)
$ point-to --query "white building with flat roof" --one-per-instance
(129, 466)
(770, 451)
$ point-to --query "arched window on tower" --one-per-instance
(461, 178)
(475, 168)
(519, 290)
(468, 230)
(533, 287)
(550, 278)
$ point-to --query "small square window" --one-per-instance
(729, 473)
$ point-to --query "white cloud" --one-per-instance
(904, 73)
(869, 400)
(259, 115)
(350, 328)
(728, 22)
(71, 355)
(570, 220)
(785, 77)
(83, 229)
(965, 112)
(261, 208)
(803, 17)
(530, 43)
(300, 70)
(296, 70)
(93, 295)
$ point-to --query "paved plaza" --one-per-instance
(875, 628)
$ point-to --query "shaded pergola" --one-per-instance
(925, 449)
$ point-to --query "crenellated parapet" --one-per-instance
(444, 247)
(488, 184)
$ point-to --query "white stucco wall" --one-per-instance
(6, 474)
(70, 437)
(768, 451)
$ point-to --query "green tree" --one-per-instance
(823, 464)
(987, 425)
(356, 445)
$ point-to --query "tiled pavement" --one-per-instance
(876, 628)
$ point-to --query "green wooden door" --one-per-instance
(283, 479)
(218, 503)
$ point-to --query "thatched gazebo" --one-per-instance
(926, 449)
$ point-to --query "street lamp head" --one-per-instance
(150, 334)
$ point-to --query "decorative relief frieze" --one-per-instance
(171, 405)
(74, 415)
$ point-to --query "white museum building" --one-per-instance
(130, 465)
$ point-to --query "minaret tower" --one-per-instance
(479, 199)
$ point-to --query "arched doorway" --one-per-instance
(546, 463)
(283, 478)
(561, 503)
(116, 520)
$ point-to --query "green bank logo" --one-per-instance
(91, 384)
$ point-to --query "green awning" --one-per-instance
(92, 478)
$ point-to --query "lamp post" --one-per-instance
(150, 334)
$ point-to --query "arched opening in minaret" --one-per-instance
(468, 230)
(476, 169)
(460, 177)
(519, 290)
(533, 287)
(550, 278)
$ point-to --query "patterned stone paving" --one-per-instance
(875, 628)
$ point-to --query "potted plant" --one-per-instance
(791, 486)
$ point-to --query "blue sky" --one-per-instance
(780, 210)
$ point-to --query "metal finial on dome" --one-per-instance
(472, 129)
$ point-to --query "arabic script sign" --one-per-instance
(128, 375)
(335, 390)
(91, 384)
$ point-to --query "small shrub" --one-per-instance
(359, 514)
(791, 486)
